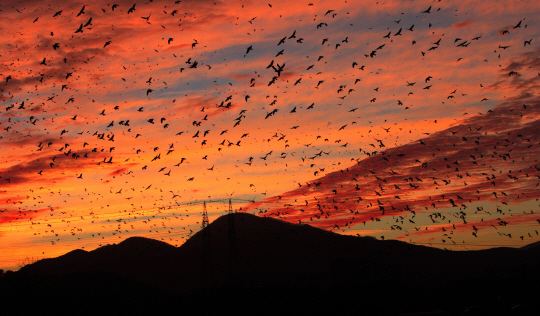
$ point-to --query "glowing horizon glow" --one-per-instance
(123, 127)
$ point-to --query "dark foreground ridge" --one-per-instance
(277, 267)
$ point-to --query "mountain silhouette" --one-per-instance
(288, 266)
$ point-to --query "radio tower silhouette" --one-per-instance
(204, 216)
(207, 253)
(233, 253)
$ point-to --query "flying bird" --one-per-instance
(79, 30)
(82, 11)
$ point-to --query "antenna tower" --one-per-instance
(207, 253)
(233, 253)
(204, 217)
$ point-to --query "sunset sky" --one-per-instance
(408, 120)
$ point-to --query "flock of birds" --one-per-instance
(225, 123)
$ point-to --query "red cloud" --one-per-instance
(122, 170)
(10, 215)
(26, 172)
(462, 24)
(11, 200)
(177, 47)
(474, 161)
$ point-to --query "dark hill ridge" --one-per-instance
(532, 246)
(269, 251)
(275, 254)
